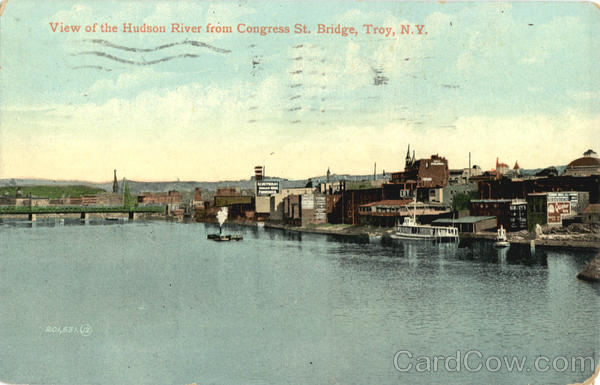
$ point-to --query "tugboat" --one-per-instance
(501, 240)
(222, 217)
(224, 238)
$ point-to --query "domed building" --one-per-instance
(587, 165)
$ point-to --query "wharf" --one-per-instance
(364, 232)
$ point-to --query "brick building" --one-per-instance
(345, 207)
(519, 189)
(431, 172)
(304, 209)
(511, 214)
(161, 198)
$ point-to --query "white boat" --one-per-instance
(501, 240)
(410, 229)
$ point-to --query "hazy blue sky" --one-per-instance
(515, 80)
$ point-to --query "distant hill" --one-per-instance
(137, 187)
(532, 172)
(52, 191)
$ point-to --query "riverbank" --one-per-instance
(571, 241)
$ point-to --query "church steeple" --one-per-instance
(115, 184)
(407, 162)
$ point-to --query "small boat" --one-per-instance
(410, 229)
(224, 238)
(501, 240)
(375, 238)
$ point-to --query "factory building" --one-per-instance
(276, 201)
(304, 209)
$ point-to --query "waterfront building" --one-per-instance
(386, 212)
(547, 209)
(170, 200)
(160, 198)
(276, 204)
(21, 201)
(591, 214)
(470, 224)
(304, 209)
(510, 214)
(344, 207)
(238, 207)
(513, 189)
(95, 200)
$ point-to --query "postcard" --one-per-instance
(314, 192)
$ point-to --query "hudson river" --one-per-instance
(157, 303)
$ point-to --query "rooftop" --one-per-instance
(470, 219)
(586, 161)
(593, 208)
(389, 202)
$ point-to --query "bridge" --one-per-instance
(82, 212)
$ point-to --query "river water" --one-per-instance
(157, 303)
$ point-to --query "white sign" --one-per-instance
(267, 187)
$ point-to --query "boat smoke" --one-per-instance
(222, 216)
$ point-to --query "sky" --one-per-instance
(519, 81)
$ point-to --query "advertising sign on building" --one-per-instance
(320, 208)
(556, 210)
(267, 187)
(308, 202)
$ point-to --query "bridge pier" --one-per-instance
(32, 217)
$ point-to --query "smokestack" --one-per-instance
(469, 164)
(375, 171)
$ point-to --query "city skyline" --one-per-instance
(492, 79)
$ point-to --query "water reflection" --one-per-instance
(160, 292)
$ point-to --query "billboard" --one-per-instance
(267, 187)
(556, 210)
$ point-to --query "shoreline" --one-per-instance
(366, 232)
